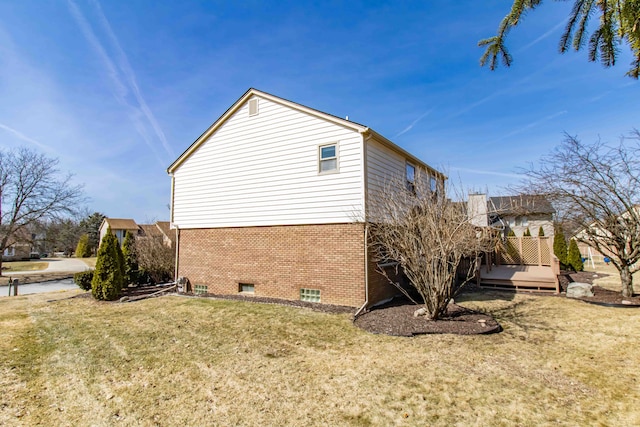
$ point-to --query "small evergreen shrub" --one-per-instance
(130, 259)
(83, 279)
(511, 233)
(107, 277)
(83, 250)
(526, 233)
(574, 258)
(540, 232)
(560, 247)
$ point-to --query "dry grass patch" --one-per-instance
(612, 281)
(188, 361)
(9, 267)
(91, 262)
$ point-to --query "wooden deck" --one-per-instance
(532, 278)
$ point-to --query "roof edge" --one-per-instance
(236, 105)
(404, 152)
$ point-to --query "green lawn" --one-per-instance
(190, 361)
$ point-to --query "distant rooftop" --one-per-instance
(521, 205)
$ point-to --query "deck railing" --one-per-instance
(525, 251)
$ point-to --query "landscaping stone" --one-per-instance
(579, 290)
(420, 312)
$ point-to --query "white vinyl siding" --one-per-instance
(384, 167)
(263, 170)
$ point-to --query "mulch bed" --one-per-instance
(396, 318)
(601, 296)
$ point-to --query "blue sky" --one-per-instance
(117, 90)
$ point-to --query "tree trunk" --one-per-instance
(627, 282)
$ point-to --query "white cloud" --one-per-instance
(124, 82)
(543, 36)
(25, 138)
(408, 128)
(486, 172)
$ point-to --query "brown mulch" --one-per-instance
(567, 277)
(607, 297)
(601, 296)
(396, 318)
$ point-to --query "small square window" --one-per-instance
(200, 289)
(328, 158)
(246, 288)
(310, 295)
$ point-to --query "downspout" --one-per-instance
(175, 273)
(366, 229)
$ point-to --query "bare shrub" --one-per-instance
(428, 236)
(155, 258)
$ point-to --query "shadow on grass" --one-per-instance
(481, 295)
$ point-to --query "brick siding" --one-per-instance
(280, 260)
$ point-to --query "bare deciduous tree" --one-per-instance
(32, 191)
(596, 188)
(155, 257)
(428, 236)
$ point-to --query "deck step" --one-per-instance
(519, 285)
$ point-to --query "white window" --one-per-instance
(328, 158)
(512, 222)
(410, 172)
(525, 221)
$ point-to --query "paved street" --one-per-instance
(36, 288)
(71, 265)
(56, 265)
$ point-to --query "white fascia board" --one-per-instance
(251, 92)
(404, 152)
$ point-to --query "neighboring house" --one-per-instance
(595, 233)
(16, 252)
(20, 246)
(161, 230)
(119, 227)
(271, 201)
(518, 213)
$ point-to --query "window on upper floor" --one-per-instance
(328, 158)
(433, 184)
(410, 175)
